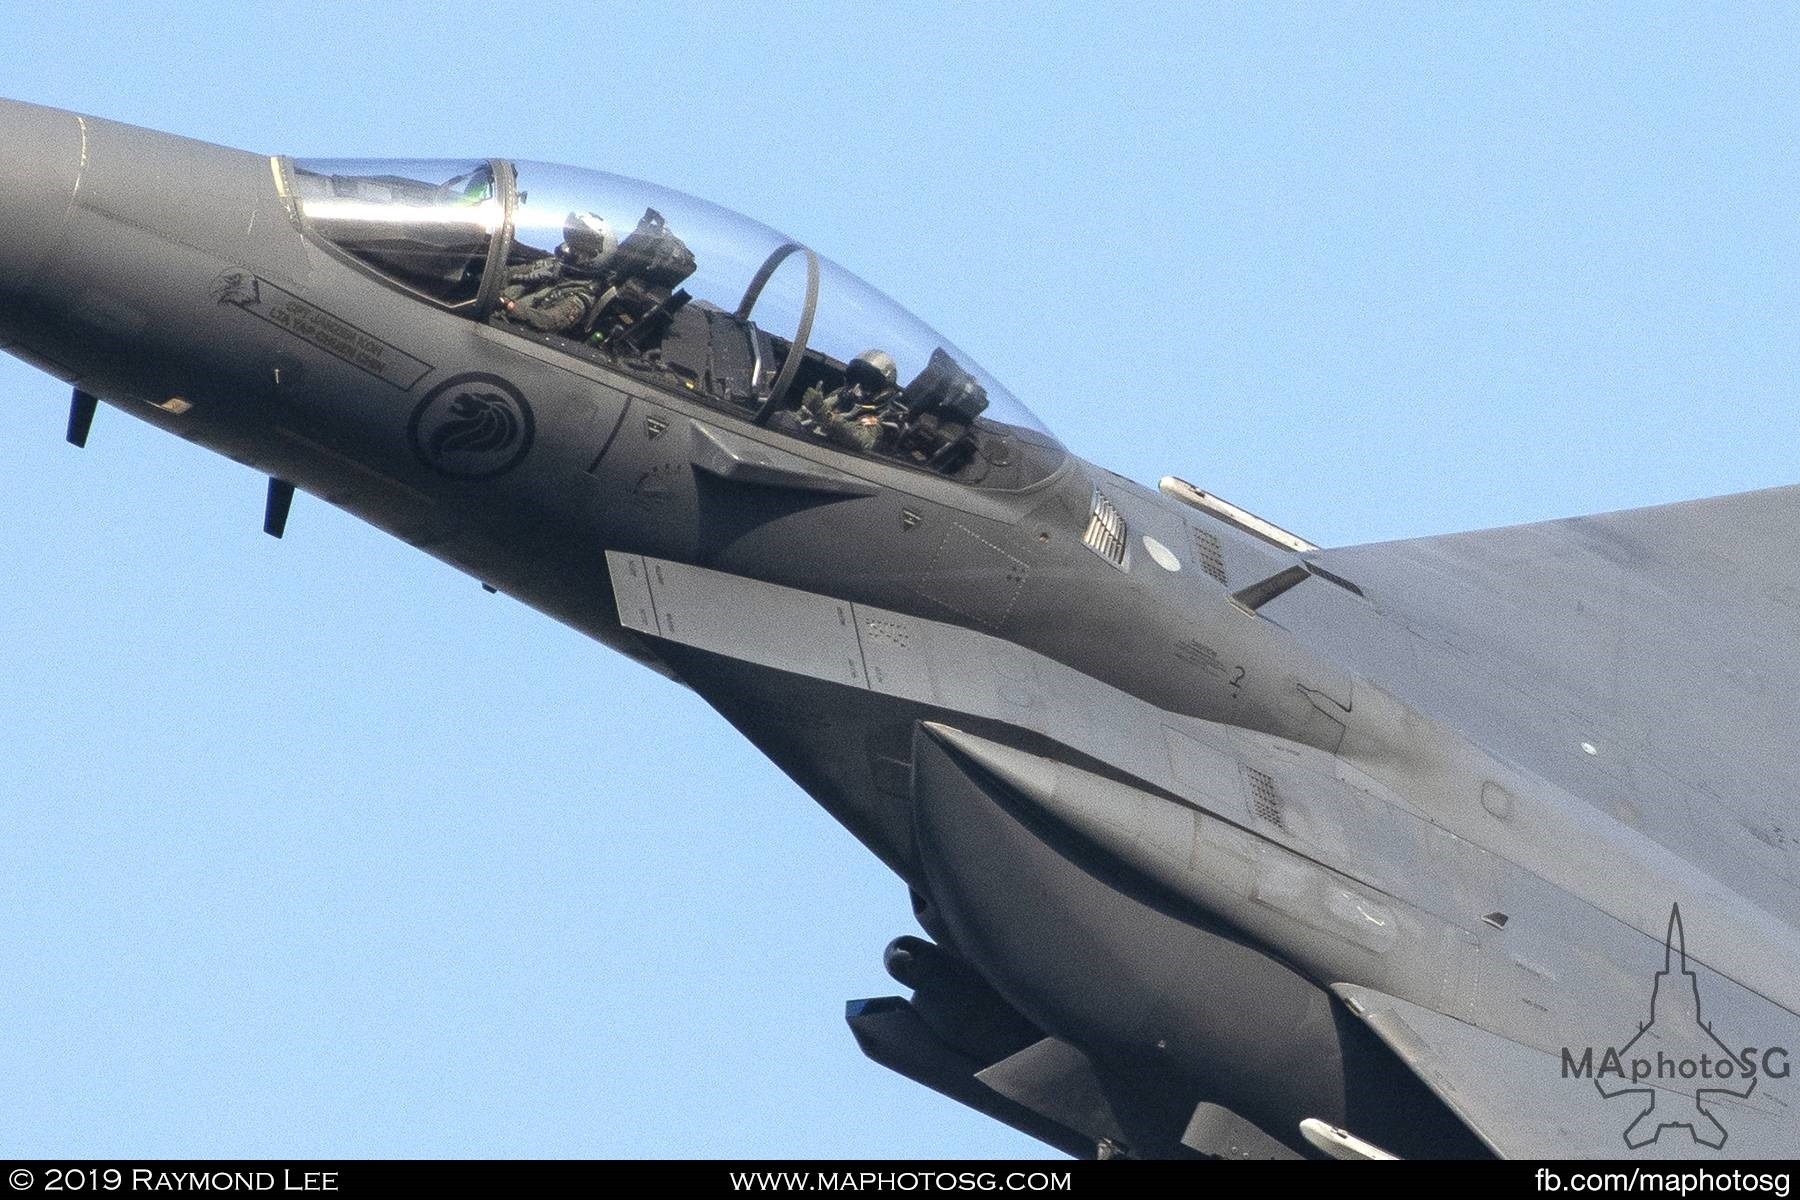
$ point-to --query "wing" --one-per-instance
(1647, 664)
(1647, 661)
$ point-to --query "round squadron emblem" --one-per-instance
(472, 426)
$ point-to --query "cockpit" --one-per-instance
(682, 294)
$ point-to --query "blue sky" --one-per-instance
(313, 848)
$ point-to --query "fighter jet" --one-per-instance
(1227, 845)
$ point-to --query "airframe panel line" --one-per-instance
(950, 667)
(631, 592)
(747, 619)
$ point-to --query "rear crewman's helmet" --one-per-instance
(587, 237)
(872, 370)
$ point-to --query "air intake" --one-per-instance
(1106, 533)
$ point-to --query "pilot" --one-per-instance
(556, 293)
(862, 414)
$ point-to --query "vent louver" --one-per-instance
(1264, 802)
(1210, 553)
(1106, 533)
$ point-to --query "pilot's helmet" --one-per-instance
(872, 370)
(586, 236)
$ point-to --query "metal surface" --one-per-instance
(1232, 847)
(1225, 510)
(1106, 533)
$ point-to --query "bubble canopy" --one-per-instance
(682, 293)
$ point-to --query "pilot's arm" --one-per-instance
(560, 308)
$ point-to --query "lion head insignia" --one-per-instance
(236, 287)
(472, 426)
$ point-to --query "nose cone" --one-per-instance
(41, 154)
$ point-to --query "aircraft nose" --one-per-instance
(41, 154)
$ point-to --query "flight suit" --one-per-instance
(542, 296)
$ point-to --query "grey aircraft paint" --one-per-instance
(1214, 832)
